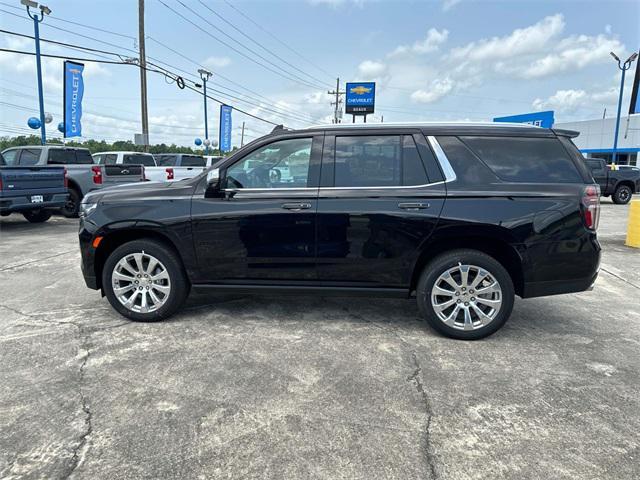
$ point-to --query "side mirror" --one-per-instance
(214, 182)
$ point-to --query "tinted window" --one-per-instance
(146, 160)
(468, 169)
(520, 159)
(29, 157)
(110, 159)
(10, 157)
(166, 160)
(97, 159)
(378, 161)
(69, 156)
(2, 162)
(83, 157)
(281, 164)
(192, 161)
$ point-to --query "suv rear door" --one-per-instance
(380, 198)
(262, 228)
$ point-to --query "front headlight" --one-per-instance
(87, 208)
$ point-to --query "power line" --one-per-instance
(206, 32)
(303, 57)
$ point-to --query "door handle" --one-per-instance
(296, 206)
(413, 206)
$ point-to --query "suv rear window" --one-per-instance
(69, 156)
(525, 159)
(193, 161)
(378, 161)
(146, 160)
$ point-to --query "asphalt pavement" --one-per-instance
(297, 387)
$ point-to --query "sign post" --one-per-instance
(361, 99)
(73, 93)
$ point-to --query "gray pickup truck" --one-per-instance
(32, 191)
(83, 175)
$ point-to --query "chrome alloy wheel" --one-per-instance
(141, 282)
(466, 297)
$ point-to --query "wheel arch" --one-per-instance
(495, 246)
(626, 183)
(115, 239)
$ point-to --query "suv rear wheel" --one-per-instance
(465, 294)
(144, 281)
(622, 195)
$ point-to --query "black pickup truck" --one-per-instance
(32, 191)
(620, 185)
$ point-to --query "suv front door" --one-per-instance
(263, 227)
(380, 199)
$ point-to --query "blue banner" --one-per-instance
(225, 128)
(538, 119)
(361, 98)
(73, 92)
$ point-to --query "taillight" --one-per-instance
(169, 173)
(97, 175)
(66, 178)
(591, 206)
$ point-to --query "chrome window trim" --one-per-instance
(447, 169)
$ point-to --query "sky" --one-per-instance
(431, 60)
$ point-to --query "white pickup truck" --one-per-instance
(153, 170)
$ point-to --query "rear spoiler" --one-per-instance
(565, 133)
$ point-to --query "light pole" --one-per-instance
(44, 10)
(624, 67)
(205, 75)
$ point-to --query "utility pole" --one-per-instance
(337, 93)
(624, 67)
(205, 75)
(143, 76)
(242, 136)
(44, 10)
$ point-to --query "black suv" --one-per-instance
(460, 216)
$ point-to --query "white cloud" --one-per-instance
(449, 4)
(430, 43)
(216, 62)
(562, 100)
(437, 90)
(371, 69)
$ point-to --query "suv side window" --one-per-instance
(525, 159)
(29, 156)
(10, 157)
(378, 161)
(280, 164)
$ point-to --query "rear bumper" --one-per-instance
(558, 287)
(22, 203)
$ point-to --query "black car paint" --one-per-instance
(351, 239)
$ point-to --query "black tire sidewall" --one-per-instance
(178, 279)
(37, 216)
(448, 260)
(616, 195)
(75, 195)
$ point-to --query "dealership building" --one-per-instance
(596, 138)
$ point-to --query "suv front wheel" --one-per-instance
(465, 294)
(144, 281)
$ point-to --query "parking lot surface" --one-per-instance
(311, 387)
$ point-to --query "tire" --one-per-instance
(37, 216)
(622, 195)
(72, 205)
(171, 288)
(478, 264)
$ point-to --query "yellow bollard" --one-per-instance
(633, 227)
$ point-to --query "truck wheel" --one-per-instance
(622, 195)
(72, 205)
(37, 216)
(144, 281)
(465, 294)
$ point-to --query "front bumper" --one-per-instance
(87, 253)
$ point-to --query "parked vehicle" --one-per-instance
(151, 171)
(179, 166)
(83, 175)
(619, 184)
(32, 191)
(213, 160)
(625, 167)
(461, 216)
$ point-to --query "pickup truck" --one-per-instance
(620, 184)
(181, 165)
(83, 175)
(152, 171)
(32, 191)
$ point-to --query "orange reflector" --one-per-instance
(96, 242)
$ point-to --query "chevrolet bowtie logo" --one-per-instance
(360, 90)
